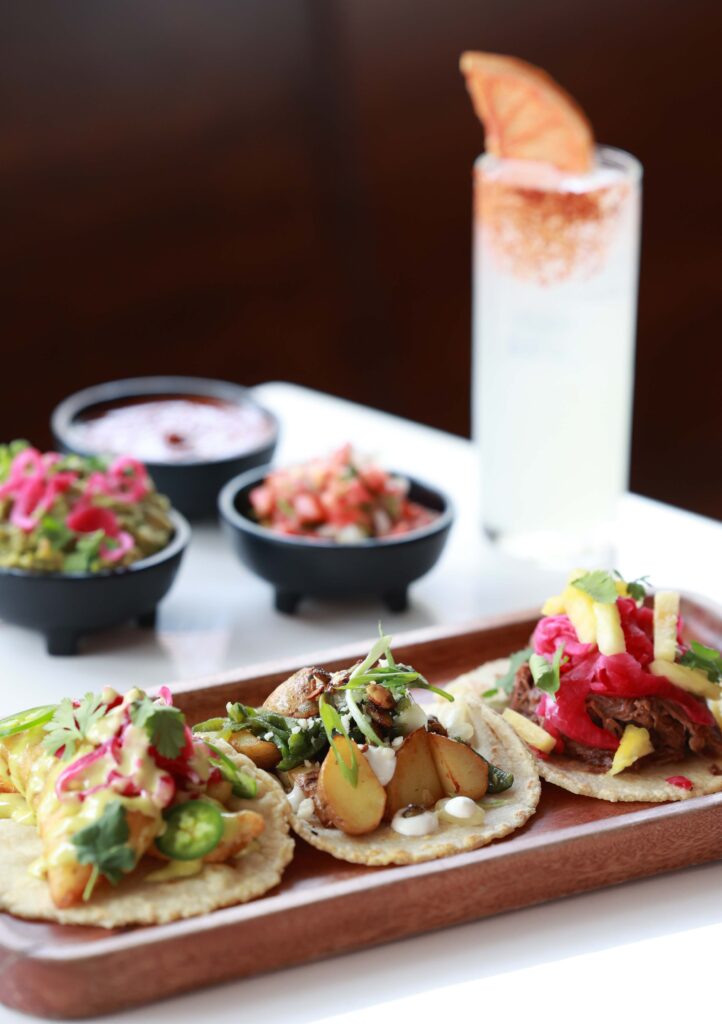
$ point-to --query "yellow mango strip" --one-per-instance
(610, 636)
(530, 732)
(689, 679)
(666, 614)
(635, 743)
(580, 609)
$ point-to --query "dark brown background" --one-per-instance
(261, 189)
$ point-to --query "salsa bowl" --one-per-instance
(191, 480)
(65, 606)
(300, 567)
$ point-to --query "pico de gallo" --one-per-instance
(67, 513)
(342, 497)
(609, 679)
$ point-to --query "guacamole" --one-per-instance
(68, 513)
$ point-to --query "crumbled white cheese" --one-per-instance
(296, 729)
(396, 743)
(268, 736)
(306, 809)
(421, 824)
(411, 718)
(383, 763)
(296, 798)
(455, 719)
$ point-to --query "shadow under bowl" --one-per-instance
(193, 485)
(65, 606)
(299, 567)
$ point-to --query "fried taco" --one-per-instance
(113, 813)
(611, 697)
(371, 777)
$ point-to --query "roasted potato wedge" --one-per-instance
(461, 771)
(263, 754)
(415, 780)
(353, 809)
(298, 696)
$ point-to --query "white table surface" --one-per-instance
(538, 961)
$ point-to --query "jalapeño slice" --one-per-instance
(192, 830)
(26, 720)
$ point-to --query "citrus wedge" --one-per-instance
(526, 115)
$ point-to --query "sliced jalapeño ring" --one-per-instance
(23, 720)
(192, 830)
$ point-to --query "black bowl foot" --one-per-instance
(287, 601)
(396, 600)
(148, 620)
(62, 642)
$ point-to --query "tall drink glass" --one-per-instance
(555, 296)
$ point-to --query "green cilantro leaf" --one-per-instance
(165, 726)
(506, 682)
(56, 532)
(546, 673)
(704, 659)
(70, 725)
(104, 844)
(637, 589)
(599, 585)
(87, 549)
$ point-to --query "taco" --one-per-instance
(371, 777)
(114, 813)
(611, 697)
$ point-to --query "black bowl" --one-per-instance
(64, 606)
(192, 486)
(298, 567)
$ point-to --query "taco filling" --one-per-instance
(610, 684)
(370, 775)
(109, 781)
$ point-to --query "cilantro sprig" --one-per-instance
(506, 682)
(104, 844)
(546, 674)
(70, 725)
(164, 724)
(599, 585)
(704, 659)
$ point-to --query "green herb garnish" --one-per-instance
(599, 585)
(704, 659)
(506, 682)
(87, 551)
(56, 532)
(104, 844)
(546, 673)
(334, 727)
(70, 725)
(637, 589)
(243, 784)
(164, 724)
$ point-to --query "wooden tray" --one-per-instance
(572, 844)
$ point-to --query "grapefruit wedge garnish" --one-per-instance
(526, 115)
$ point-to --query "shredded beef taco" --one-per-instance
(371, 777)
(612, 698)
(113, 813)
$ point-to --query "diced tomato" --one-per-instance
(681, 781)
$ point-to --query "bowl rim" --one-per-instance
(230, 515)
(66, 411)
(177, 544)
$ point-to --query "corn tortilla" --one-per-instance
(645, 784)
(137, 902)
(498, 742)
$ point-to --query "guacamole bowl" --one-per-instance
(64, 606)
